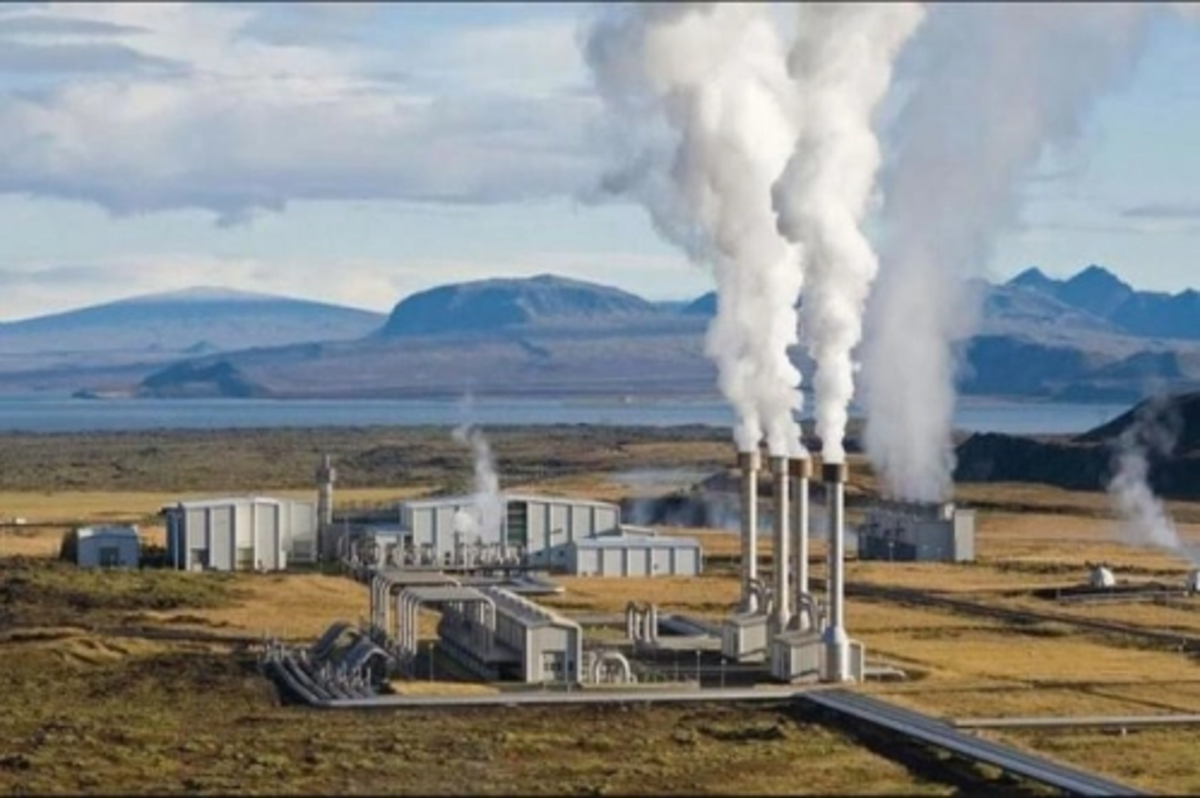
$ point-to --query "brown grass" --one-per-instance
(292, 606)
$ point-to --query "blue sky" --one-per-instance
(356, 153)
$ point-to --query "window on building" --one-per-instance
(517, 524)
(110, 556)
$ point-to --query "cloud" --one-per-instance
(1164, 211)
(239, 126)
(43, 25)
(81, 59)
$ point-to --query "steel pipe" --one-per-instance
(837, 643)
(748, 463)
(783, 595)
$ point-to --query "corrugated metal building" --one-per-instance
(633, 555)
(550, 645)
(107, 547)
(241, 533)
(532, 525)
(909, 532)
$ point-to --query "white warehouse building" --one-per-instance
(634, 555)
(561, 534)
(107, 547)
(241, 533)
(531, 525)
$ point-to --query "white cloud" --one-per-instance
(244, 124)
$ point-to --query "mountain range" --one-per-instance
(1087, 461)
(171, 326)
(1089, 337)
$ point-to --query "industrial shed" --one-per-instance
(534, 526)
(104, 547)
(633, 555)
(911, 532)
(240, 533)
(550, 645)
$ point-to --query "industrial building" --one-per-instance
(629, 554)
(911, 532)
(532, 527)
(490, 631)
(104, 547)
(241, 533)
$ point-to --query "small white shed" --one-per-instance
(107, 547)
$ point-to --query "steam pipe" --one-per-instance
(837, 643)
(800, 472)
(748, 464)
(783, 595)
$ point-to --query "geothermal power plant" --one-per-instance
(484, 584)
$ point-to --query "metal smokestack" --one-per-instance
(800, 472)
(748, 463)
(326, 476)
(837, 643)
(783, 594)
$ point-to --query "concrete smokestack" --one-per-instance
(326, 476)
(748, 463)
(837, 643)
(783, 593)
(800, 472)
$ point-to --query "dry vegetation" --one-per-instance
(89, 709)
(93, 698)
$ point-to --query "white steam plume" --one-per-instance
(1145, 520)
(842, 62)
(487, 484)
(998, 84)
(699, 100)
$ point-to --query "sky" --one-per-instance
(356, 153)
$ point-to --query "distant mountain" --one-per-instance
(704, 305)
(165, 326)
(1100, 293)
(191, 381)
(1085, 462)
(1039, 338)
(491, 305)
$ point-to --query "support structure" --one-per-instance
(836, 641)
(748, 463)
(782, 605)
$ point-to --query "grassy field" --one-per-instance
(86, 709)
(94, 698)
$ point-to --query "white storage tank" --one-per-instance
(1101, 578)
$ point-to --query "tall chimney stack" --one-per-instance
(783, 594)
(748, 463)
(800, 472)
(837, 642)
(326, 476)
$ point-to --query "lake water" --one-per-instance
(61, 414)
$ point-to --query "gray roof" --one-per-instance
(470, 501)
(106, 531)
(524, 611)
(226, 501)
(635, 542)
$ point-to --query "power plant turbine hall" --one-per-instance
(700, 102)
